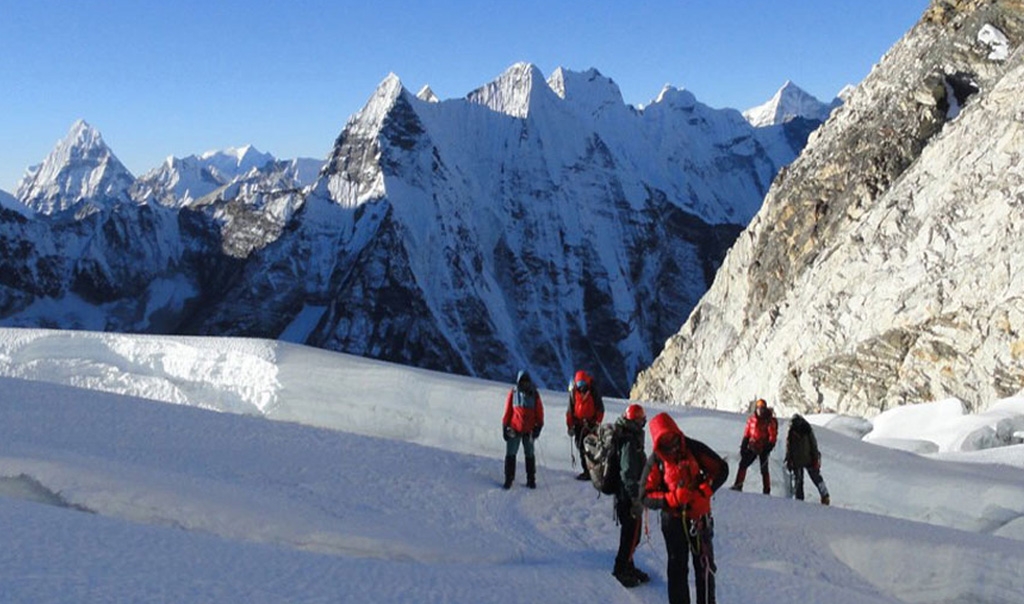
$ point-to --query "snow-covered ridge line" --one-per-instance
(237, 375)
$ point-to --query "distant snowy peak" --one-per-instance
(588, 91)
(179, 182)
(234, 161)
(788, 103)
(514, 92)
(80, 168)
(426, 94)
(675, 97)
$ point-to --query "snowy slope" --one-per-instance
(399, 500)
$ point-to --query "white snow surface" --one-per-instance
(380, 483)
(996, 41)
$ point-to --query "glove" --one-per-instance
(536, 431)
(508, 433)
(769, 448)
(636, 509)
(744, 446)
(677, 498)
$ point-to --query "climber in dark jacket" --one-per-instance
(802, 454)
(628, 505)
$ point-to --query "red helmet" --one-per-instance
(761, 408)
(635, 413)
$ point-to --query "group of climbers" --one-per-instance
(759, 437)
(678, 478)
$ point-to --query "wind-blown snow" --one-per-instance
(107, 495)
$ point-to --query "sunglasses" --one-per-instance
(582, 386)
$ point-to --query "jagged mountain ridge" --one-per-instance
(884, 268)
(510, 229)
(180, 181)
(535, 223)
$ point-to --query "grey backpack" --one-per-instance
(601, 447)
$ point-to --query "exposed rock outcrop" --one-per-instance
(886, 266)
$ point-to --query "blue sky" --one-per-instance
(179, 78)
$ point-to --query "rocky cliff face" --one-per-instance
(886, 266)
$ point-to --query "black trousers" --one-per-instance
(629, 534)
(678, 544)
(748, 456)
(798, 481)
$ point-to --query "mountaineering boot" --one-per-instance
(740, 475)
(510, 471)
(585, 474)
(531, 472)
(823, 490)
(625, 576)
(640, 575)
(766, 485)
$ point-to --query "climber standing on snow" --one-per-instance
(522, 423)
(628, 505)
(758, 441)
(802, 453)
(585, 413)
(679, 479)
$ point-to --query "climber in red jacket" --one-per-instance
(758, 441)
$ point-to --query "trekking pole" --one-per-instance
(572, 451)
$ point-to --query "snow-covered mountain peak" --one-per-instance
(370, 117)
(180, 181)
(83, 135)
(80, 167)
(234, 161)
(675, 97)
(513, 92)
(426, 94)
(788, 103)
(588, 91)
